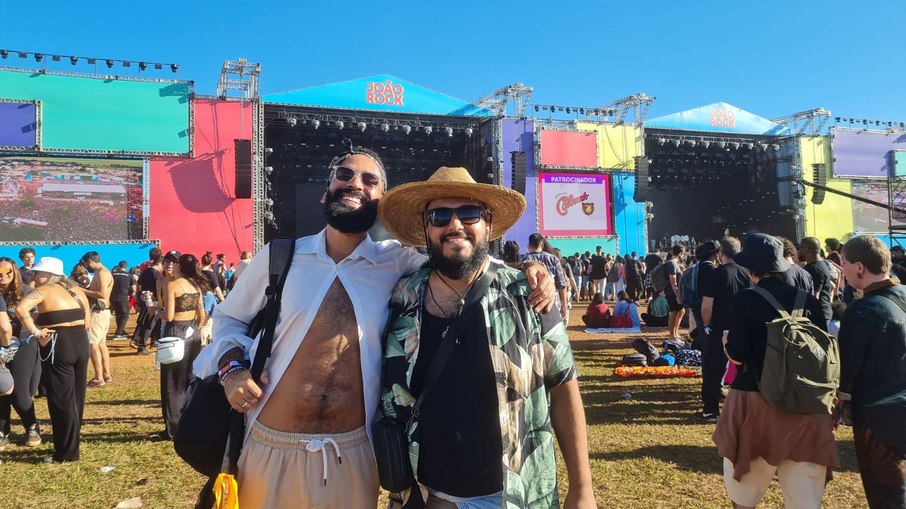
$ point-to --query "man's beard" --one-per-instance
(458, 266)
(347, 219)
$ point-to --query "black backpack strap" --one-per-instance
(895, 300)
(282, 250)
(799, 305)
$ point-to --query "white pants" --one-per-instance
(597, 286)
(802, 483)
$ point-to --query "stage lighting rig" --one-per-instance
(468, 131)
(316, 123)
(5, 54)
(362, 126)
(109, 63)
(407, 129)
(385, 127)
(429, 129)
(292, 121)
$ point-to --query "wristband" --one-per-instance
(231, 371)
(230, 367)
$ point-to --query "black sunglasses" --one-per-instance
(467, 214)
(344, 174)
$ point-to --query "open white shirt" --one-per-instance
(369, 274)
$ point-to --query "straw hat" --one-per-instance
(402, 209)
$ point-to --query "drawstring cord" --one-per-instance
(319, 446)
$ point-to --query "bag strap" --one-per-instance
(282, 250)
(799, 304)
(895, 300)
(451, 336)
(773, 302)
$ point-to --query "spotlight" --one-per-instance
(39, 57)
(660, 141)
(127, 63)
(268, 202)
(340, 124)
(581, 111)
(568, 110)
(429, 129)
(158, 66)
(174, 67)
(292, 121)
(536, 106)
(55, 58)
(141, 65)
(109, 63)
(5, 54)
(268, 216)
(448, 130)
(706, 144)
(468, 131)
(691, 143)
(362, 126)
(837, 119)
(72, 60)
(407, 129)
(675, 143)
(316, 123)
(23, 54)
(268, 150)
(268, 169)
(385, 127)
(92, 61)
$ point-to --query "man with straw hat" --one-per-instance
(306, 437)
(481, 403)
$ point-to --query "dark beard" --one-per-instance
(345, 218)
(459, 268)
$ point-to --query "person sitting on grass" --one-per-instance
(597, 316)
(657, 311)
(627, 307)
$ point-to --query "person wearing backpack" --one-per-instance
(873, 370)
(756, 440)
(613, 277)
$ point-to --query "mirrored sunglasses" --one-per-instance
(467, 214)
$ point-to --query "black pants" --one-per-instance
(714, 367)
(883, 470)
(120, 309)
(175, 378)
(65, 362)
(654, 321)
(634, 286)
(26, 371)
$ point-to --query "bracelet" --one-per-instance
(226, 367)
(231, 371)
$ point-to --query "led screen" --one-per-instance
(569, 148)
(864, 153)
(18, 124)
(574, 204)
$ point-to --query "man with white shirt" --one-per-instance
(321, 384)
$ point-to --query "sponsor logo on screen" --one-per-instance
(385, 92)
(566, 201)
(723, 118)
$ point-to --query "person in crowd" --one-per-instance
(833, 248)
(597, 270)
(536, 253)
(147, 304)
(185, 315)
(61, 330)
(633, 271)
(511, 255)
(873, 370)
(575, 267)
(79, 274)
(614, 281)
(455, 446)
(98, 293)
(674, 270)
(898, 263)
(153, 254)
(25, 367)
(220, 270)
(331, 367)
(597, 315)
(756, 441)
(824, 275)
(796, 275)
(583, 264)
(245, 258)
(652, 260)
(27, 257)
(208, 269)
(212, 297)
(658, 311)
(718, 290)
(119, 298)
(625, 306)
(169, 263)
(706, 258)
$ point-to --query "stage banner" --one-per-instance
(18, 124)
(569, 148)
(834, 217)
(101, 114)
(60, 199)
(861, 153)
(618, 145)
(574, 204)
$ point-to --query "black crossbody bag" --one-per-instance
(210, 433)
(391, 444)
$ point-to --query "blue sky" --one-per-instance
(770, 57)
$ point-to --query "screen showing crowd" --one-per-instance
(70, 199)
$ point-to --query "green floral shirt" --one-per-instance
(530, 354)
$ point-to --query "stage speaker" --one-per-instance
(243, 154)
(819, 176)
(641, 194)
(518, 161)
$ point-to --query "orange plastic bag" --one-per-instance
(655, 371)
(226, 492)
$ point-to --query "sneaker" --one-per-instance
(706, 417)
(50, 459)
(33, 439)
(119, 337)
(4, 441)
(144, 351)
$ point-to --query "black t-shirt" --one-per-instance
(459, 426)
(212, 278)
(722, 285)
(672, 269)
(705, 273)
(147, 280)
(823, 279)
(122, 285)
(748, 337)
(598, 267)
(800, 278)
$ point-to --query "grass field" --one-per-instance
(646, 451)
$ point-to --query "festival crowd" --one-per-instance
(470, 377)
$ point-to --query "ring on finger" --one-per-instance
(244, 404)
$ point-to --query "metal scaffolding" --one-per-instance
(806, 123)
(631, 109)
(239, 79)
(497, 101)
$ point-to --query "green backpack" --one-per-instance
(801, 362)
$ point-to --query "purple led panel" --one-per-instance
(18, 124)
(862, 153)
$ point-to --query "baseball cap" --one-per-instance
(172, 256)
